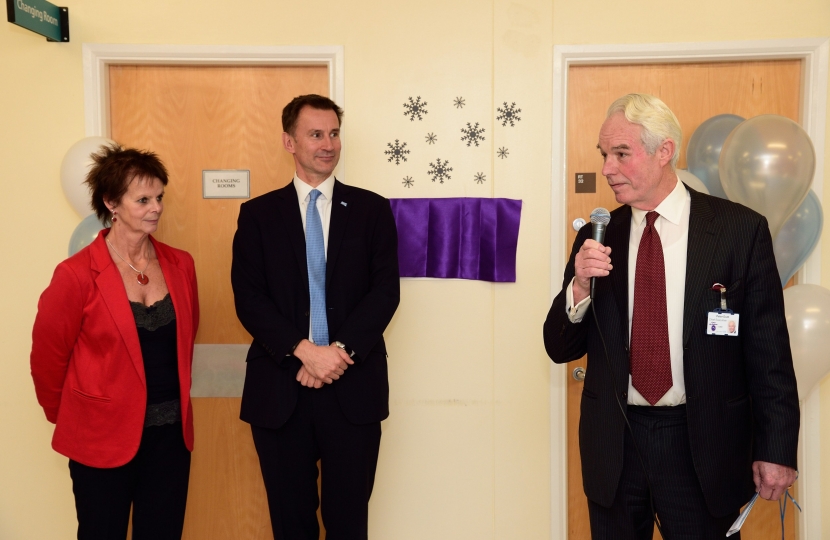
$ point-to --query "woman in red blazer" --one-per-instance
(111, 357)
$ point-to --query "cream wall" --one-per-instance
(466, 451)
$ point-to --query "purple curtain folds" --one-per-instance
(466, 238)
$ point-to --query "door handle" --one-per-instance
(578, 223)
(579, 374)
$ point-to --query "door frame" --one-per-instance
(815, 54)
(97, 58)
(209, 359)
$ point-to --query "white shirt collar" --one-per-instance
(303, 189)
(670, 209)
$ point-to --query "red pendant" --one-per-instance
(142, 279)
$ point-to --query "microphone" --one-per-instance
(600, 217)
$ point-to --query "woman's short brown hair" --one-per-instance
(113, 169)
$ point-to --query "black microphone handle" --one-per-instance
(597, 234)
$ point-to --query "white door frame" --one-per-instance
(815, 54)
(99, 56)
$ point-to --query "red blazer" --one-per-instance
(86, 358)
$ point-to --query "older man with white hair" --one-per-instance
(679, 419)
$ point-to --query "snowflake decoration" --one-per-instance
(508, 114)
(503, 152)
(473, 134)
(439, 171)
(415, 108)
(459, 102)
(408, 182)
(479, 178)
(431, 138)
(397, 152)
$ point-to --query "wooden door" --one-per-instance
(695, 92)
(202, 118)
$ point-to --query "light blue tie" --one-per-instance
(315, 249)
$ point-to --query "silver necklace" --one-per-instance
(141, 278)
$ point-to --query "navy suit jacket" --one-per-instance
(270, 284)
(741, 397)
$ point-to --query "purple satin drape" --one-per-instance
(466, 238)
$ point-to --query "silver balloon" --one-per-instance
(807, 308)
(767, 163)
(798, 237)
(692, 181)
(84, 234)
(704, 150)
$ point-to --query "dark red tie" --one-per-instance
(650, 356)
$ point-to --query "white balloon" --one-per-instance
(74, 168)
(692, 181)
(807, 308)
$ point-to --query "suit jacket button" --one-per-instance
(625, 395)
(306, 313)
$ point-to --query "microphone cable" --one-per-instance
(625, 417)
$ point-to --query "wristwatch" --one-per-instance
(342, 346)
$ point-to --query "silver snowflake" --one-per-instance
(397, 152)
(439, 171)
(415, 108)
(459, 102)
(503, 152)
(479, 178)
(431, 138)
(509, 114)
(473, 134)
(408, 182)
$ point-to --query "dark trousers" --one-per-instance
(154, 483)
(348, 454)
(663, 438)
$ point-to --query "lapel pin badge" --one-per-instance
(343, 203)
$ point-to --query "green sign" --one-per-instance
(40, 17)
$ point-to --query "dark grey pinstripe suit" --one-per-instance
(741, 395)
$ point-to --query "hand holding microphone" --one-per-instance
(592, 259)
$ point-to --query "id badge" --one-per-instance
(722, 323)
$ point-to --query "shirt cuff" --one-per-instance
(575, 312)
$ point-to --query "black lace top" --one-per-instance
(157, 335)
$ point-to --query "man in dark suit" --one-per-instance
(315, 281)
(713, 417)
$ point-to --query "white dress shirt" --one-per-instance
(326, 190)
(673, 228)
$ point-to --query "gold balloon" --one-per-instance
(767, 163)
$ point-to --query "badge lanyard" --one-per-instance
(782, 508)
(723, 308)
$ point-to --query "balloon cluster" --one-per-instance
(74, 169)
(767, 163)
